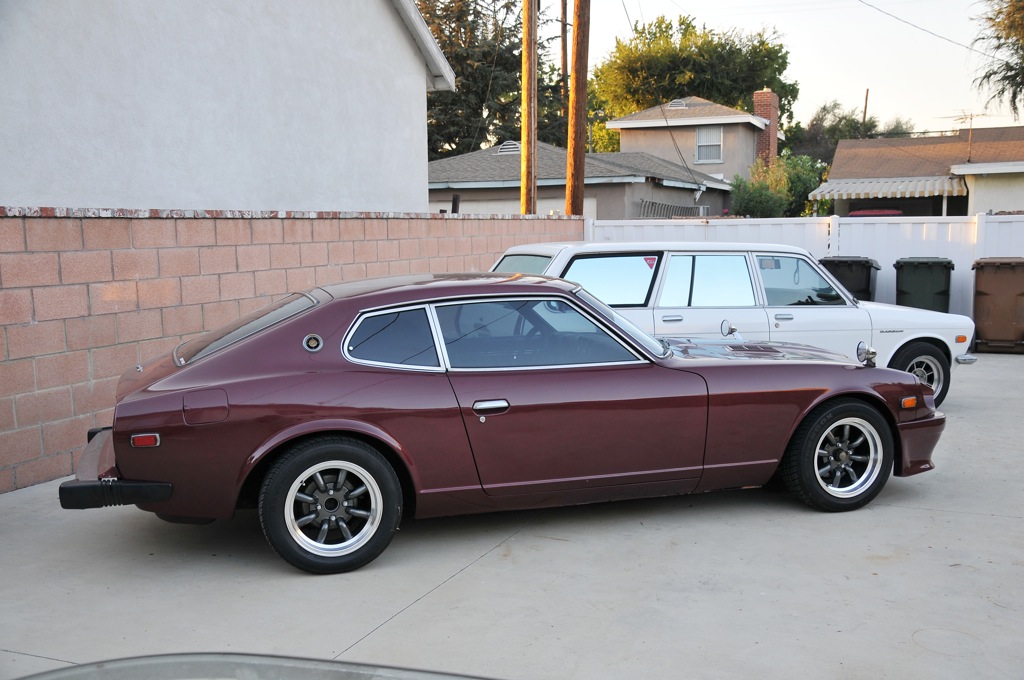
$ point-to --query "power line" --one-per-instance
(925, 30)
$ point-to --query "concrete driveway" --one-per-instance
(926, 582)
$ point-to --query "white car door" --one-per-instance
(700, 290)
(804, 306)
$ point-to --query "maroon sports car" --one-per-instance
(333, 411)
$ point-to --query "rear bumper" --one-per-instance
(95, 485)
(966, 359)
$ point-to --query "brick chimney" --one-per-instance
(766, 105)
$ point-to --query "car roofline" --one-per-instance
(588, 247)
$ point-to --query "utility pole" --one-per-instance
(565, 56)
(575, 163)
(528, 114)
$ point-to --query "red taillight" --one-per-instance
(141, 441)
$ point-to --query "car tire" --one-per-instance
(927, 363)
(331, 504)
(840, 456)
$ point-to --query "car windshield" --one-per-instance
(243, 328)
(655, 347)
(523, 264)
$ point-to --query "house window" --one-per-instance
(709, 144)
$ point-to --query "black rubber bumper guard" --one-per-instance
(83, 494)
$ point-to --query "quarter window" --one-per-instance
(709, 144)
(401, 338)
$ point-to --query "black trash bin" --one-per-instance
(857, 274)
(999, 304)
(923, 282)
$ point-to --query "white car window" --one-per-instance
(707, 281)
(616, 279)
(795, 281)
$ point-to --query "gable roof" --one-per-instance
(917, 166)
(686, 111)
(442, 77)
(500, 167)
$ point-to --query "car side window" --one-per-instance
(707, 281)
(401, 338)
(524, 333)
(795, 281)
(621, 280)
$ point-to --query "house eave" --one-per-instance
(756, 121)
(1005, 168)
(442, 77)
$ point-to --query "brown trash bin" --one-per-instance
(999, 304)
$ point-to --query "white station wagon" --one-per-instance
(769, 292)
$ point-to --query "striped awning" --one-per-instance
(890, 187)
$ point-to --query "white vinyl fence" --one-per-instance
(962, 240)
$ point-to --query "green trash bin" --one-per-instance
(923, 282)
(999, 304)
(857, 274)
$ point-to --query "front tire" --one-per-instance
(927, 363)
(330, 505)
(840, 456)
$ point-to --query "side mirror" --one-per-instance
(866, 355)
(729, 330)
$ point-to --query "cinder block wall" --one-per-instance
(83, 297)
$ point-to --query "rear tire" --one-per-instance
(927, 363)
(840, 456)
(331, 504)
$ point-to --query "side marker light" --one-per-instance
(909, 402)
(143, 441)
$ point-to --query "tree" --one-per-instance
(765, 194)
(482, 40)
(1002, 37)
(665, 61)
(830, 123)
(804, 175)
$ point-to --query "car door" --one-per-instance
(700, 290)
(552, 401)
(803, 306)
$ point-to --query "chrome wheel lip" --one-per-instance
(833, 451)
(928, 371)
(359, 538)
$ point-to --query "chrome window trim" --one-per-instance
(367, 314)
(639, 358)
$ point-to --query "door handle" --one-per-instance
(675, 318)
(490, 407)
(783, 317)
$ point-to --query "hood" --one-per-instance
(740, 350)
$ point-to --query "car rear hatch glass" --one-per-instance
(244, 327)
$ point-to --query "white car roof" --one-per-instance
(574, 247)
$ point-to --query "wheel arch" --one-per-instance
(874, 401)
(260, 462)
(937, 343)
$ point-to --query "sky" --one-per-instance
(842, 49)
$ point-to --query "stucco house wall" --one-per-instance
(996, 193)
(235, 104)
(738, 148)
